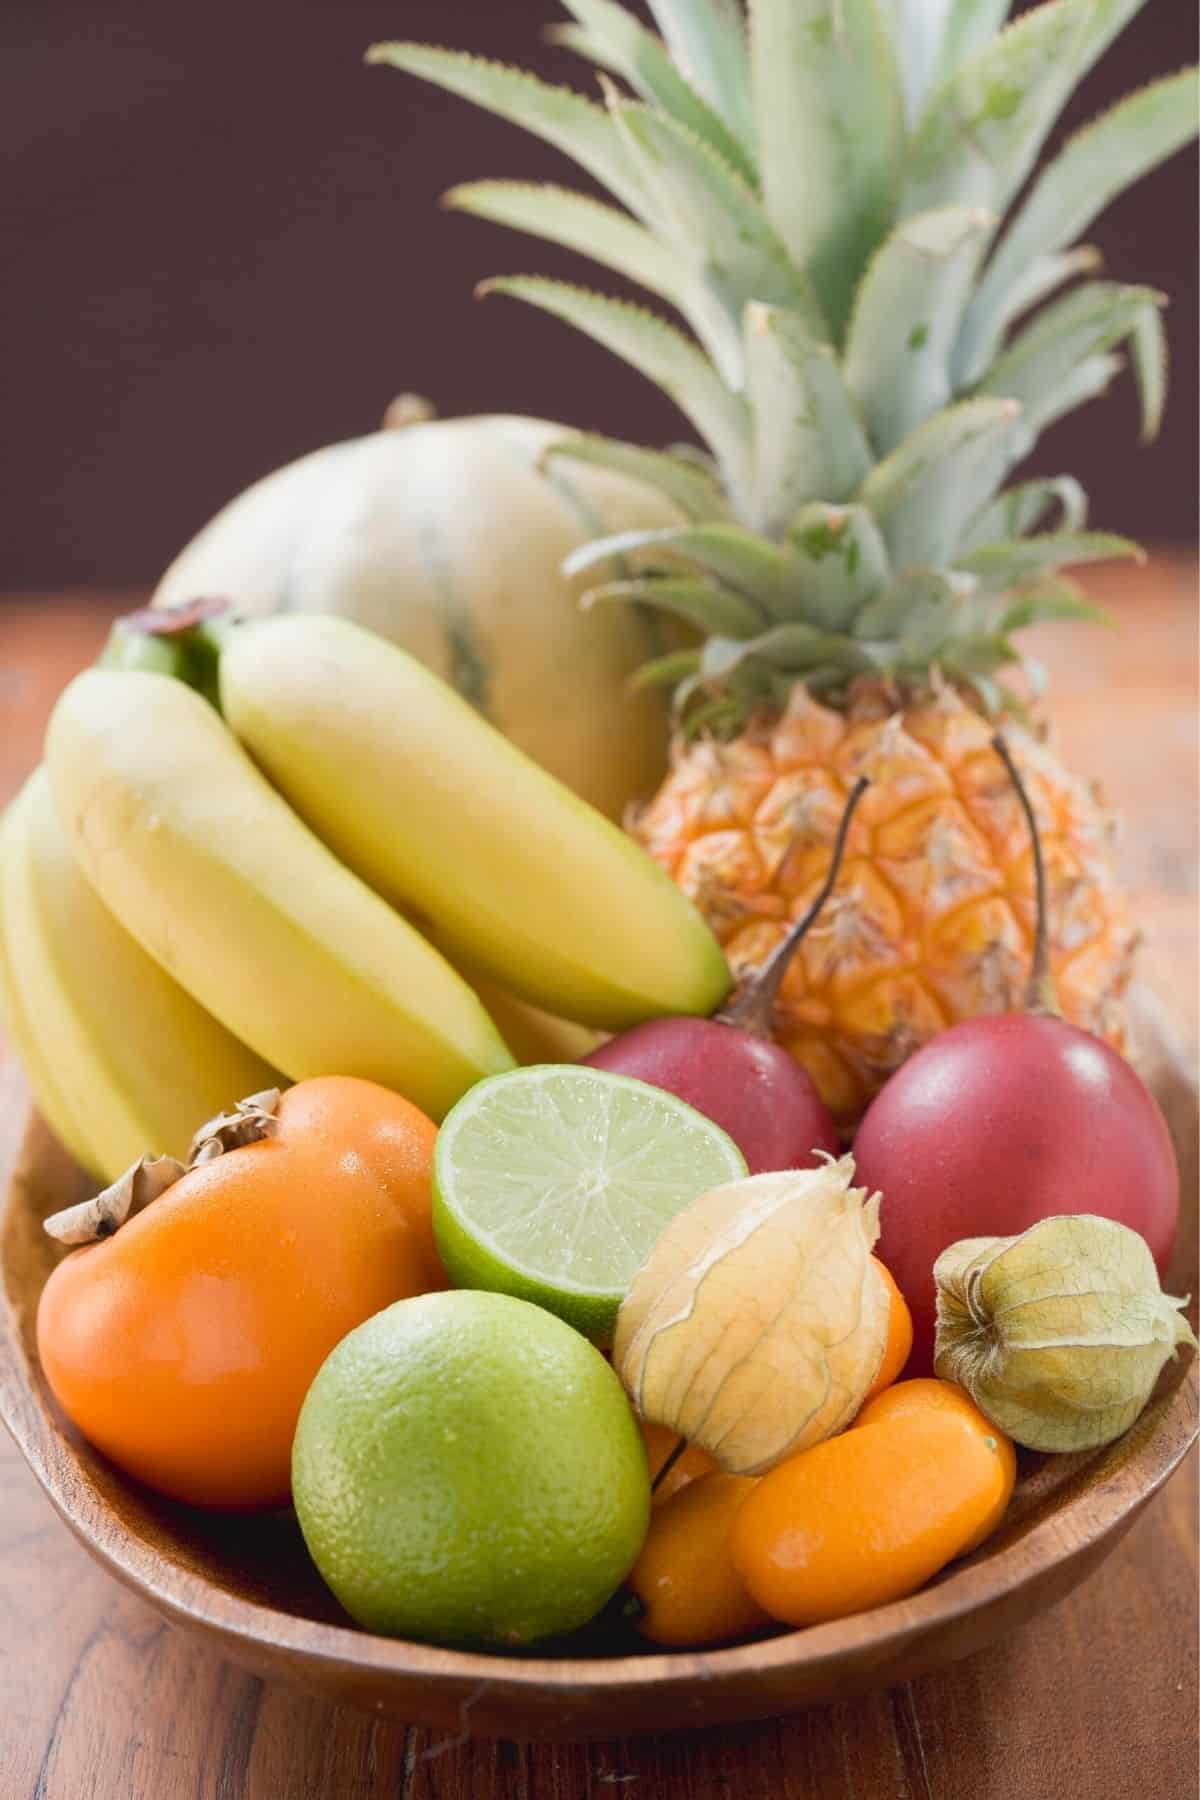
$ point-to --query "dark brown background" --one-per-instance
(223, 248)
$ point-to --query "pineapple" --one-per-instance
(818, 190)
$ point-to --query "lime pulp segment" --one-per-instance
(554, 1182)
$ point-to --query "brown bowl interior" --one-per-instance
(248, 1583)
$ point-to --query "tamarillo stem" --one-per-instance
(752, 1008)
(1040, 996)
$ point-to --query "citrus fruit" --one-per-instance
(552, 1183)
(467, 1470)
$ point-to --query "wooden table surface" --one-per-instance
(100, 1700)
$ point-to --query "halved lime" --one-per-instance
(552, 1183)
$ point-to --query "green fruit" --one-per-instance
(467, 1469)
(554, 1182)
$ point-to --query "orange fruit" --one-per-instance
(870, 1516)
(684, 1577)
(183, 1346)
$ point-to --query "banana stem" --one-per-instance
(182, 641)
(753, 1009)
(1040, 996)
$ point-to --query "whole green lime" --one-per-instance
(467, 1469)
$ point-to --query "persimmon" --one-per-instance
(868, 1517)
(898, 1348)
(183, 1345)
(689, 1590)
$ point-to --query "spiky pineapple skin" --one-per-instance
(932, 919)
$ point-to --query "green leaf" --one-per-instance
(1098, 163)
(912, 618)
(693, 490)
(713, 610)
(809, 441)
(1040, 278)
(983, 129)
(969, 27)
(1148, 346)
(1039, 367)
(927, 490)
(906, 318)
(714, 222)
(613, 38)
(1022, 508)
(748, 565)
(933, 38)
(793, 648)
(831, 127)
(1087, 381)
(843, 563)
(660, 353)
(666, 671)
(707, 39)
(579, 223)
(1052, 600)
(614, 239)
(563, 118)
(1011, 561)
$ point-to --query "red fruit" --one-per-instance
(1000, 1122)
(729, 1069)
(750, 1087)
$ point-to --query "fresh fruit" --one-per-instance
(728, 1068)
(870, 1516)
(898, 1346)
(449, 539)
(914, 1400)
(533, 1036)
(759, 1319)
(747, 1085)
(552, 1183)
(119, 1057)
(182, 1346)
(501, 865)
(220, 882)
(468, 1470)
(1003, 1121)
(1060, 1334)
(684, 1578)
(686, 1462)
(821, 199)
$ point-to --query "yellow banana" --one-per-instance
(532, 1035)
(507, 870)
(41, 1072)
(121, 1060)
(224, 886)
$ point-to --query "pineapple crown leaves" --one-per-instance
(872, 333)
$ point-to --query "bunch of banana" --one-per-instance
(189, 904)
(120, 1058)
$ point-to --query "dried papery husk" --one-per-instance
(147, 1179)
(246, 1123)
(107, 1211)
(1058, 1334)
(758, 1321)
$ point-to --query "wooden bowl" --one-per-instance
(247, 1584)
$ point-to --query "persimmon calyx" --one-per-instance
(245, 1123)
(149, 1177)
(104, 1214)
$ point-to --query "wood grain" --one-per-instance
(1096, 1699)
